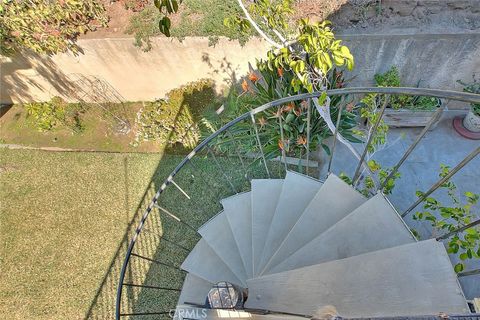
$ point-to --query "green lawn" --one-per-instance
(66, 218)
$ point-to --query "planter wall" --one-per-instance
(408, 118)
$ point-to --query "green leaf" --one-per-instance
(326, 148)
(459, 267)
(290, 118)
(322, 98)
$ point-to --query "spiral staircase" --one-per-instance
(290, 246)
(299, 244)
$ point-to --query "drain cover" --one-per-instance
(224, 295)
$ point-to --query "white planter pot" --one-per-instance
(471, 122)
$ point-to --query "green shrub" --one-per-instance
(263, 86)
(144, 25)
(391, 78)
(205, 18)
(55, 113)
(472, 87)
(447, 218)
(45, 26)
(202, 18)
(175, 119)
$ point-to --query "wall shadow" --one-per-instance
(43, 75)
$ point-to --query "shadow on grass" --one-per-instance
(205, 179)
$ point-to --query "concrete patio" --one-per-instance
(442, 145)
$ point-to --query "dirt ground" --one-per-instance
(384, 16)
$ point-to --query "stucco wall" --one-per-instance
(438, 60)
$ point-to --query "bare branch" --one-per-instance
(256, 27)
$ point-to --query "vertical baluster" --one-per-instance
(369, 140)
(259, 144)
(440, 182)
(412, 147)
(283, 143)
(221, 169)
(339, 116)
(309, 118)
(237, 149)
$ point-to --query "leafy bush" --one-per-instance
(367, 185)
(46, 26)
(176, 119)
(198, 18)
(144, 25)
(391, 78)
(204, 18)
(56, 113)
(263, 86)
(472, 87)
(465, 244)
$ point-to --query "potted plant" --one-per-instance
(402, 110)
(471, 121)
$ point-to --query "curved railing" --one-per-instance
(243, 167)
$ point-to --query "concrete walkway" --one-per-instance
(442, 145)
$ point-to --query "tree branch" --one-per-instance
(256, 27)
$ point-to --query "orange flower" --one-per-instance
(302, 140)
(245, 85)
(297, 111)
(253, 76)
(280, 72)
(280, 144)
(289, 107)
(262, 121)
(350, 107)
(283, 144)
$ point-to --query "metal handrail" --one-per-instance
(446, 94)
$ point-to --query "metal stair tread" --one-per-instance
(206, 264)
(238, 211)
(408, 280)
(219, 236)
(297, 192)
(334, 201)
(194, 290)
(265, 194)
(373, 226)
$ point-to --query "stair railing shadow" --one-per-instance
(103, 303)
(184, 183)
